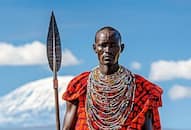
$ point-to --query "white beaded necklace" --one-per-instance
(109, 99)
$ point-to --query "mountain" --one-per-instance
(32, 104)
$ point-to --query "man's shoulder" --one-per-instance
(140, 78)
(76, 87)
(81, 77)
(83, 74)
(147, 84)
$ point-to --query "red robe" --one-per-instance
(147, 97)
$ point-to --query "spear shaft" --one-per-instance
(55, 83)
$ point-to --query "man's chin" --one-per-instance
(108, 63)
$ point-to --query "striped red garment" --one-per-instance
(147, 97)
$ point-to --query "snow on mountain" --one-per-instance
(32, 104)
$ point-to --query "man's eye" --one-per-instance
(102, 45)
(109, 45)
(114, 45)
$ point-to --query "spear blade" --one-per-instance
(54, 46)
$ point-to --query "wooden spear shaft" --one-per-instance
(55, 83)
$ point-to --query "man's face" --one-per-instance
(108, 47)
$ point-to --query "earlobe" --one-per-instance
(122, 47)
(94, 48)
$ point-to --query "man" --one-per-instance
(110, 97)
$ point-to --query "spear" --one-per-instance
(54, 59)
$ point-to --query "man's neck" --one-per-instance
(108, 69)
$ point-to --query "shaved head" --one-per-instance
(108, 33)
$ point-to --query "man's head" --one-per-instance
(108, 45)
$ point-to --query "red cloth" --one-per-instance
(147, 97)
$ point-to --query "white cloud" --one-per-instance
(168, 70)
(31, 54)
(179, 92)
(136, 65)
(68, 58)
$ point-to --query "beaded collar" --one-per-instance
(109, 99)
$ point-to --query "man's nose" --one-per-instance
(107, 49)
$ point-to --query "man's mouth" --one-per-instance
(109, 57)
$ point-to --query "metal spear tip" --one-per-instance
(53, 45)
(52, 14)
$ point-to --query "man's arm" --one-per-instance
(148, 121)
(70, 115)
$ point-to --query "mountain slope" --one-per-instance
(32, 104)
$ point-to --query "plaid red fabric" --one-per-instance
(147, 97)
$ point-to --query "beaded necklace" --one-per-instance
(109, 99)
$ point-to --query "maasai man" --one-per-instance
(111, 97)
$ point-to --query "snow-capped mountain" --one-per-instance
(32, 104)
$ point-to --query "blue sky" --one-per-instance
(156, 34)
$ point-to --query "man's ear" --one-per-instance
(122, 47)
(94, 47)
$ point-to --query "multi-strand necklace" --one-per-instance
(109, 99)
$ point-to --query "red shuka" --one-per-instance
(147, 97)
